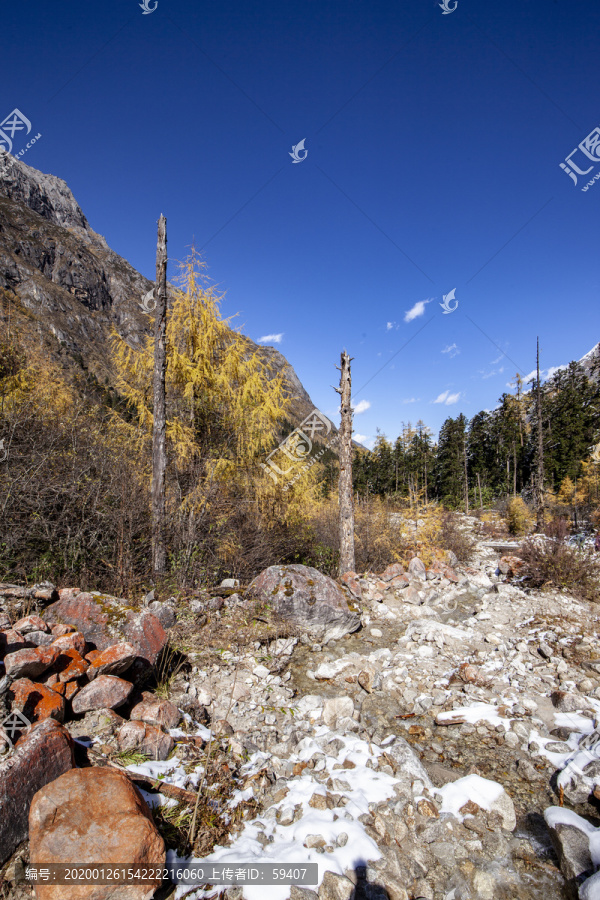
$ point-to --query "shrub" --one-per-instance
(552, 563)
(452, 537)
(518, 517)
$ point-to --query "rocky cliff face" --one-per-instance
(69, 288)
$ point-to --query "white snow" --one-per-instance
(480, 790)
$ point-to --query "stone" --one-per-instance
(156, 711)
(93, 815)
(70, 665)
(104, 692)
(336, 887)
(350, 579)
(222, 728)
(304, 597)
(114, 660)
(40, 638)
(392, 572)
(36, 701)
(416, 569)
(43, 754)
(545, 650)
(336, 708)
(108, 621)
(10, 640)
(148, 739)
(313, 841)
(568, 702)
(29, 663)
(61, 629)
(74, 640)
(29, 624)
(570, 837)
(366, 679)
(302, 893)
(510, 565)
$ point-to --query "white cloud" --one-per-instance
(361, 407)
(411, 400)
(545, 374)
(389, 326)
(271, 338)
(495, 361)
(452, 349)
(447, 398)
(485, 375)
(417, 310)
(360, 438)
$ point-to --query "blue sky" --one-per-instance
(433, 148)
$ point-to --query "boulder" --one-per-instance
(30, 662)
(570, 836)
(104, 692)
(416, 569)
(10, 640)
(30, 623)
(148, 739)
(93, 815)
(350, 579)
(336, 708)
(43, 754)
(304, 597)
(392, 572)
(113, 661)
(73, 640)
(336, 887)
(36, 701)
(156, 711)
(105, 621)
(510, 565)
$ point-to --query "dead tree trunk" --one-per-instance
(345, 484)
(466, 477)
(159, 450)
(540, 447)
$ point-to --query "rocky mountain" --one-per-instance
(61, 283)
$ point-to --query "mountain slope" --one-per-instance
(63, 285)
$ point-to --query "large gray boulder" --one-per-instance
(304, 597)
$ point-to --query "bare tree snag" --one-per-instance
(159, 450)
(540, 447)
(345, 483)
(466, 475)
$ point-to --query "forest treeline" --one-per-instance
(495, 455)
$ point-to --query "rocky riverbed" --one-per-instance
(445, 750)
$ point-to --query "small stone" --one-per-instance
(336, 887)
(286, 816)
(376, 633)
(318, 801)
(148, 739)
(314, 840)
(545, 650)
(222, 728)
(72, 641)
(336, 708)
(427, 808)
(155, 711)
(342, 839)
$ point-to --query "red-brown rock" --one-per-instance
(108, 621)
(113, 661)
(93, 815)
(30, 623)
(74, 640)
(400, 581)
(148, 739)
(510, 565)
(392, 572)
(75, 669)
(40, 756)
(92, 655)
(10, 641)
(350, 579)
(156, 711)
(36, 701)
(104, 692)
(60, 629)
(30, 662)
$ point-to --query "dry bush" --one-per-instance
(518, 517)
(553, 564)
(452, 537)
